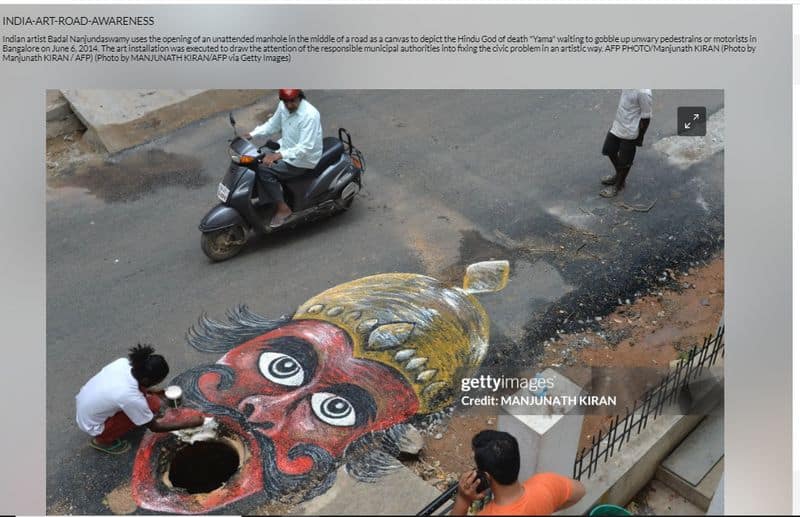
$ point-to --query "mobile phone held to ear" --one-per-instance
(483, 482)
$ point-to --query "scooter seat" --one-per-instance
(332, 149)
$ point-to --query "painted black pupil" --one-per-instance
(284, 367)
(336, 408)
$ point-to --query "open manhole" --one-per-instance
(203, 466)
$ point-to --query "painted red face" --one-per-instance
(301, 385)
(300, 388)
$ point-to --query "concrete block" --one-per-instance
(701, 494)
(116, 120)
(662, 500)
(60, 120)
(619, 479)
(63, 126)
(717, 506)
(399, 493)
(699, 452)
(547, 442)
(56, 107)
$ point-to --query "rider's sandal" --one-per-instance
(609, 192)
(118, 447)
(279, 221)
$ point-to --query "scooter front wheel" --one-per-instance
(223, 244)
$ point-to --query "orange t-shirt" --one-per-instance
(544, 493)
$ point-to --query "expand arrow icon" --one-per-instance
(696, 116)
(687, 125)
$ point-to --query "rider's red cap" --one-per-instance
(288, 94)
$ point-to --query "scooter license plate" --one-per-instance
(222, 192)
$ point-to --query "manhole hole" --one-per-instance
(203, 466)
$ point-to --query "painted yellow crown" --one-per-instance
(432, 334)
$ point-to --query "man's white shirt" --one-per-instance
(113, 389)
(301, 134)
(633, 106)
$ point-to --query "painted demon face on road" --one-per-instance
(335, 384)
(300, 385)
(294, 398)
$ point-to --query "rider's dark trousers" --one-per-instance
(270, 177)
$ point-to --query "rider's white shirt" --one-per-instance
(301, 134)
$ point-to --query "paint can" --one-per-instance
(174, 394)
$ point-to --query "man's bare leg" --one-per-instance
(611, 179)
(283, 209)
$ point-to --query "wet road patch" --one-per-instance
(133, 175)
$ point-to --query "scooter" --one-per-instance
(245, 208)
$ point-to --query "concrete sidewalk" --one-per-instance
(116, 120)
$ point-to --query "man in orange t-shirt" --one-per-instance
(497, 458)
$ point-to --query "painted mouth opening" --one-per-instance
(203, 467)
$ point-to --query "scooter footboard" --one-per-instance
(219, 217)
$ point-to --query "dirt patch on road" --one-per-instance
(64, 150)
(61, 508)
(120, 500)
(448, 450)
(636, 343)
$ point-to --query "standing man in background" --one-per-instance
(626, 134)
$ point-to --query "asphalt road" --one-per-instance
(453, 177)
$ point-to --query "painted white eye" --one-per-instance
(333, 409)
(281, 369)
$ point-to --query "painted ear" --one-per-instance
(374, 455)
(372, 467)
(486, 277)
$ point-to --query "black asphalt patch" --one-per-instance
(674, 233)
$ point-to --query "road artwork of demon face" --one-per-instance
(335, 384)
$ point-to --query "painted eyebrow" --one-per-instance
(362, 401)
(297, 348)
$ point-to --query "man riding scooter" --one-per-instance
(300, 147)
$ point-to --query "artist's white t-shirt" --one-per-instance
(111, 390)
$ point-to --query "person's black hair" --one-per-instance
(148, 367)
(497, 453)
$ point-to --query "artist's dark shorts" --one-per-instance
(624, 150)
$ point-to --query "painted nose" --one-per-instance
(265, 411)
(273, 415)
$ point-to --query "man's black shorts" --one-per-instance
(624, 150)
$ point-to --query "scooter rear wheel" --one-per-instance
(223, 244)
